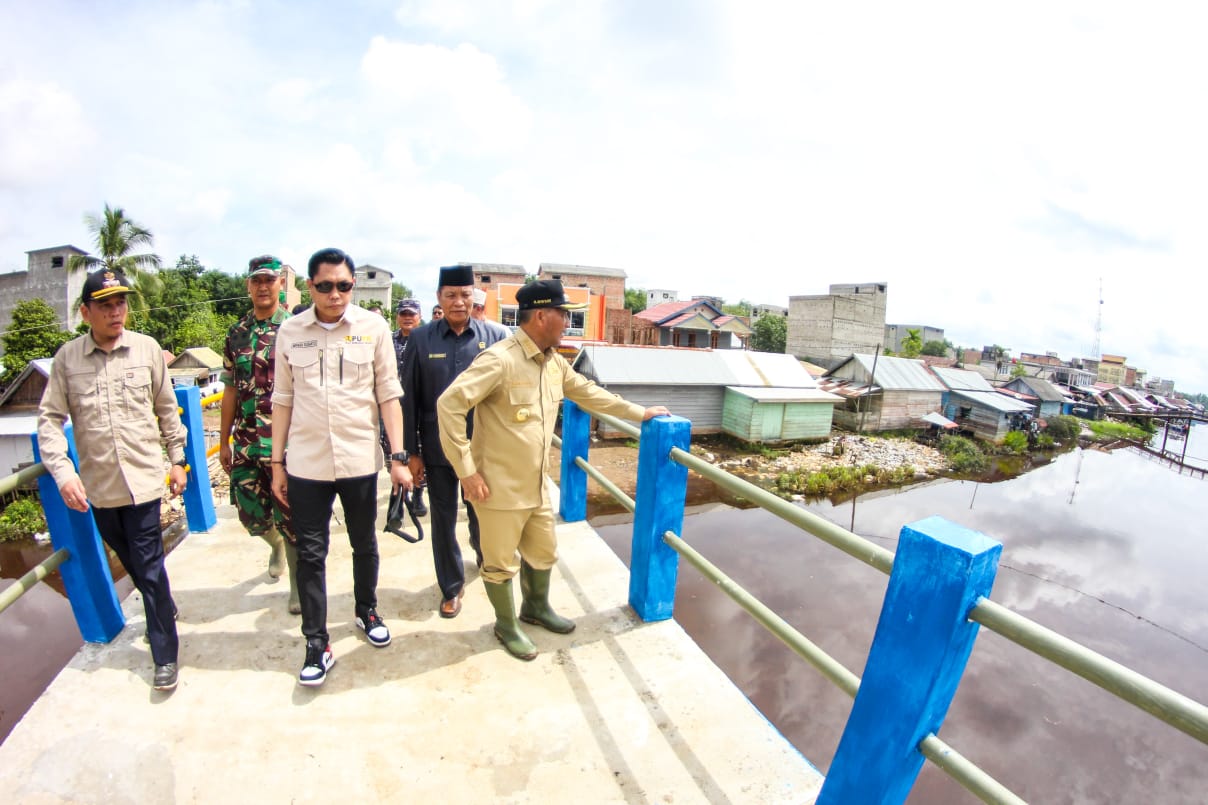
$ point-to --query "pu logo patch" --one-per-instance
(358, 339)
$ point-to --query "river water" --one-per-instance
(1109, 549)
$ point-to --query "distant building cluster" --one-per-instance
(843, 366)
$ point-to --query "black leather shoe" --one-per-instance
(165, 676)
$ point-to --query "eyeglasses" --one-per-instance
(343, 286)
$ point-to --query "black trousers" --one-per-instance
(444, 491)
(310, 505)
(133, 534)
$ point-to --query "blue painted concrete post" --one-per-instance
(198, 499)
(923, 640)
(86, 575)
(573, 481)
(662, 487)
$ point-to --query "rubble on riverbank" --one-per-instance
(841, 450)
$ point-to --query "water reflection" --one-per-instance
(1118, 566)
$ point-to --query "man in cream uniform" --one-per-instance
(515, 389)
(335, 373)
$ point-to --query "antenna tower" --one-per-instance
(1098, 325)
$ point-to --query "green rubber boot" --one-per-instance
(507, 629)
(276, 559)
(534, 606)
(291, 557)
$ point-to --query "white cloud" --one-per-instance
(43, 133)
(453, 99)
(990, 164)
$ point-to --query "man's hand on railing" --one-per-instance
(655, 410)
(74, 495)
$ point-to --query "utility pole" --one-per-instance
(1095, 350)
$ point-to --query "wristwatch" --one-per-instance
(184, 462)
(403, 457)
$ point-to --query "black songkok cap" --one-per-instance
(456, 276)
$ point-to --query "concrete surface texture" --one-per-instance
(618, 711)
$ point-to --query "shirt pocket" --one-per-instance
(356, 365)
(135, 392)
(524, 399)
(552, 384)
(305, 366)
(83, 399)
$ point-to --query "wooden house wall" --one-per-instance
(985, 423)
(852, 413)
(700, 404)
(29, 395)
(807, 420)
(903, 409)
(1049, 408)
(738, 417)
(755, 421)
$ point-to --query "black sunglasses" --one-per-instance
(343, 286)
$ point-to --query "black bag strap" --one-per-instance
(400, 501)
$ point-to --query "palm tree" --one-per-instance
(116, 238)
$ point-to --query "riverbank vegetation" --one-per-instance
(21, 519)
(842, 478)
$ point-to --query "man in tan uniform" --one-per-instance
(113, 385)
(516, 388)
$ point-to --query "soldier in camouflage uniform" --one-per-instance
(247, 360)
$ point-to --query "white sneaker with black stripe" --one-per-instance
(319, 660)
(374, 628)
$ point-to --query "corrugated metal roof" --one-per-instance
(992, 399)
(896, 374)
(961, 379)
(1043, 389)
(778, 394)
(613, 364)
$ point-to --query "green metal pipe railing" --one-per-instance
(1169, 706)
(801, 645)
(599, 477)
(967, 773)
(40, 571)
(1180, 712)
(21, 477)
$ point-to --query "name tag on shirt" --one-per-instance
(436, 355)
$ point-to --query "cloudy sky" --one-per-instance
(992, 162)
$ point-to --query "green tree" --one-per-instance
(743, 308)
(1019, 370)
(117, 240)
(769, 333)
(912, 344)
(935, 348)
(635, 300)
(35, 332)
(201, 327)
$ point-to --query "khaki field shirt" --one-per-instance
(516, 392)
(334, 380)
(121, 405)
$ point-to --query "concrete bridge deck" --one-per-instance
(618, 711)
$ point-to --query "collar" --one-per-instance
(279, 315)
(529, 345)
(91, 346)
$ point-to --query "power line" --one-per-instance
(66, 325)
